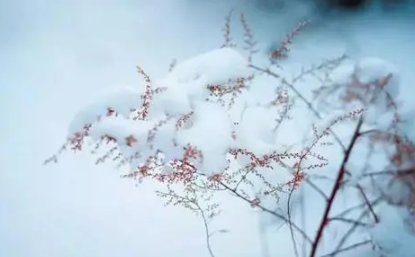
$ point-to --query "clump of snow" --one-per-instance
(370, 82)
(394, 189)
(214, 67)
(121, 129)
(371, 69)
(122, 101)
(343, 75)
(211, 133)
(379, 118)
(407, 125)
(165, 140)
(185, 91)
(174, 101)
(256, 132)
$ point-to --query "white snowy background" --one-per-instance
(56, 55)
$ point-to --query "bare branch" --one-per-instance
(336, 188)
(348, 248)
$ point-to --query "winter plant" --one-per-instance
(206, 129)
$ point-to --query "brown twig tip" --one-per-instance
(250, 42)
(228, 41)
(281, 52)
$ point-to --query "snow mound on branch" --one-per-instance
(174, 101)
(255, 132)
(211, 133)
(371, 69)
(184, 91)
(372, 83)
(122, 101)
(188, 80)
(119, 128)
(343, 75)
(214, 67)
(407, 126)
(367, 70)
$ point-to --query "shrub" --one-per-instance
(198, 132)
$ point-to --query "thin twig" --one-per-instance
(349, 210)
(369, 205)
(354, 227)
(354, 222)
(290, 222)
(303, 221)
(315, 187)
(302, 97)
(236, 193)
(207, 233)
(307, 238)
(348, 248)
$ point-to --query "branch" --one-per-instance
(236, 193)
(307, 238)
(193, 204)
(315, 187)
(352, 229)
(354, 222)
(336, 188)
(403, 172)
(369, 205)
(207, 233)
(348, 248)
(361, 205)
(302, 97)
(290, 222)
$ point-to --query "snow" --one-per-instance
(122, 100)
(407, 126)
(185, 91)
(280, 206)
(173, 101)
(214, 67)
(89, 58)
(371, 69)
(396, 191)
(211, 133)
(392, 234)
(120, 129)
(255, 132)
(363, 80)
(367, 71)
(210, 128)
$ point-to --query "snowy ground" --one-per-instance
(56, 55)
